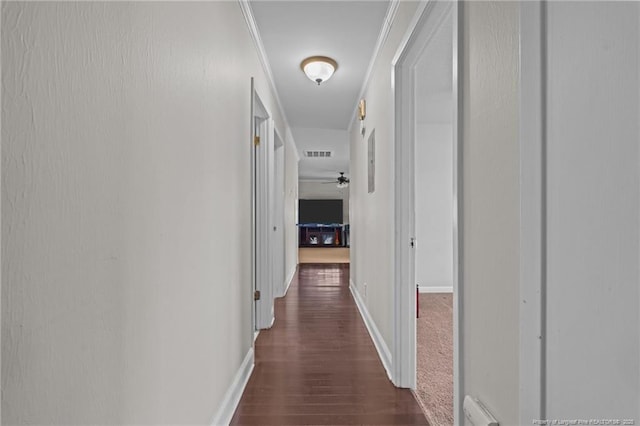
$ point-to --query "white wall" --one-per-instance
(434, 206)
(125, 217)
(310, 190)
(372, 214)
(490, 269)
(593, 212)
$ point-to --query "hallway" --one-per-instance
(155, 156)
(317, 365)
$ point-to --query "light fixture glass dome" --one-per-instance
(319, 68)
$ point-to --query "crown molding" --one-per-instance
(247, 12)
(382, 38)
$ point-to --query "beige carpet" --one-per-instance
(323, 255)
(435, 357)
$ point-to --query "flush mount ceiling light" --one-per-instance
(319, 68)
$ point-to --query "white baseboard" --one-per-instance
(289, 279)
(383, 350)
(234, 393)
(437, 289)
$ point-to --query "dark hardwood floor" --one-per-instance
(318, 365)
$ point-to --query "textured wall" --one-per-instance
(125, 209)
(372, 214)
(593, 211)
(491, 206)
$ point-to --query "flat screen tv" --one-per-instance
(320, 211)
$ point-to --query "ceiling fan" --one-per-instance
(342, 181)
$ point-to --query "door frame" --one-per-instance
(404, 289)
(277, 242)
(533, 206)
(261, 265)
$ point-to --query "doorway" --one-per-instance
(278, 216)
(427, 213)
(262, 156)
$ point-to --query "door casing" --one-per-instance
(261, 185)
(426, 21)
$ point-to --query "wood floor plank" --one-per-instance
(318, 366)
(323, 255)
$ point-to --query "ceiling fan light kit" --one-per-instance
(319, 68)
(342, 181)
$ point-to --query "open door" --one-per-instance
(277, 240)
(262, 182)
(426, 125)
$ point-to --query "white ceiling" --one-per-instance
(336, 141)
(346, 31)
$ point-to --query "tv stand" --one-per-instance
(322, 235)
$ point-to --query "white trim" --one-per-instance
(404, 349)
(532, 211)
(269, 216)
(253, 233)
(458, 215)
(278, 210)
(404, 326)
(417, 15)
(263, 155)
(289, 139)
(381, 347)
(431, 15)
(289, 280)
(435, 289)
(232, 397)
(382, 38)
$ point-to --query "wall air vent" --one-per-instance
(317, 154)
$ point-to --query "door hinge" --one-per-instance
(256, 140)
(256, 295)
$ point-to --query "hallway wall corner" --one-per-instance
(381, 347)
(233, 394)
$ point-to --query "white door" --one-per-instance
(262, 184)
(278, 219)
